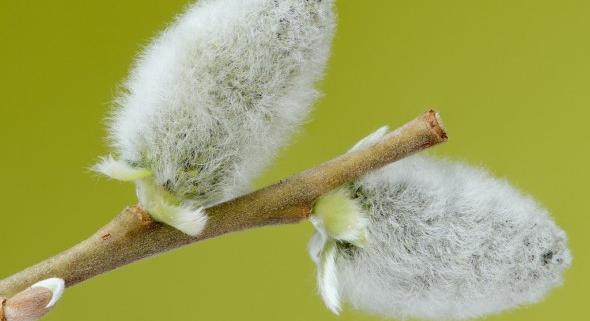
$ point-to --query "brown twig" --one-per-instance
(133, 235)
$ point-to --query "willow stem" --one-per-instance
(134, 235)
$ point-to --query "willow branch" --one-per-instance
(133, 235)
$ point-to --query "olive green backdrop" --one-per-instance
(511, 79)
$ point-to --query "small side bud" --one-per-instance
(55, 285)
(33, 303)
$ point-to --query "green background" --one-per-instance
(509, 77)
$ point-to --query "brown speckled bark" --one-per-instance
(133, 235)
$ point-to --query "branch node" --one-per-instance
(140, 214)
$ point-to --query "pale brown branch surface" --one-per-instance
(133, 235)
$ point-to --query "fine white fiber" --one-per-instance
(120, 170)
(444, 241)
(210, 101)
(328, 278)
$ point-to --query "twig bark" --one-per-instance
(133, 235)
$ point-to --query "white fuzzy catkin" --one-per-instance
(212, 99)
(444, 241)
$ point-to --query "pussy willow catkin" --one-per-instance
(439, 240)
(212, 99)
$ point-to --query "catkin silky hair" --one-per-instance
(212, 99)
(442, 240)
